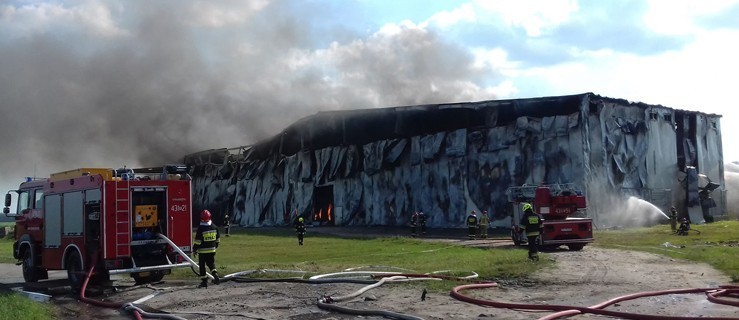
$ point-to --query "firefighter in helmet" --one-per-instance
(227, 225)
(673, 219)
(532, 225)
(472, 225)
(422, 222)
(483, 224)
(206, 241)
(300, 230)
(684, 227)
(414, 223)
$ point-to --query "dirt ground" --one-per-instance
(581, 278)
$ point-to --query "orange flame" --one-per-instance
(330, 206)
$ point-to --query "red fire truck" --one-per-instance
(114, 217)
(558, 205)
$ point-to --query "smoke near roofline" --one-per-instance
(154, 82)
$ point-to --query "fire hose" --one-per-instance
(714, 295)
(137, 312)
(183, 254)
(711, 294)
(327, 302)
(98, 303)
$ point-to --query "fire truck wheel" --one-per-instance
(75, 274)
(29, 267)
(154, 276)
(575, 247)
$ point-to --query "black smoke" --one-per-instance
(141, 84)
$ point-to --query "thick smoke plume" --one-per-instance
(92, 84)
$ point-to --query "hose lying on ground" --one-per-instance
(94, 302)
(137, 312)
(353, 273)
(131, 306)
(384, 313)
(307, 281)
(564, 310)
(712, 295)
(327, 302)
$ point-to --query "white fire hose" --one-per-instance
(183, 254)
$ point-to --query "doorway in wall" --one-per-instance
(323, 205)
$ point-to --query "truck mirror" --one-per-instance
(6, 211)
(8, 200)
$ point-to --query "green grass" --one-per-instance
(717, 244)
(278, 249)
(6, 250)
(16, 307)
(6, 245)
(250, 249)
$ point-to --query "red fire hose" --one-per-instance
(104, 304)
(563, 310)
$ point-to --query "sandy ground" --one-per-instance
(581, 278)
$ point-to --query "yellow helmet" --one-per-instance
(300, 219)
(527, 206)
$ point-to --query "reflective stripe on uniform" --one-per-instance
(209, 235)
(532, 233)
(207, 250)
(533, 220)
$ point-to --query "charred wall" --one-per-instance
(379, 165)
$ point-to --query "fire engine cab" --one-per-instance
(562, 208)
(125, 221)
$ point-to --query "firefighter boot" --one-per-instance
(534, 256)
(203, 283)
(216, 279)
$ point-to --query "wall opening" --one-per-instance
(323, 205)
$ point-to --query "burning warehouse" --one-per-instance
(376, 166)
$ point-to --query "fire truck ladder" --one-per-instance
(122, 219)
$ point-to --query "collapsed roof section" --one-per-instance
(357, 127)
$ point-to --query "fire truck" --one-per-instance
(562, 208)
(125, 221)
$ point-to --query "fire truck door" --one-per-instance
(52, 221)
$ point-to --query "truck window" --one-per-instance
(72, 211)
(38, 196)
(92, 195)
(24, 201)
(53, 219)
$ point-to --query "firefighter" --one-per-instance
(472, 225)
(532, 225)
(414, 223)
(422, 222)
(673, 219)
(483, 224)
(300, 230)
(684, 227)
(227, 225)
(206, 241)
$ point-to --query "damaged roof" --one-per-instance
(361, 126)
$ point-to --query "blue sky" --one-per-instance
(112, 83)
